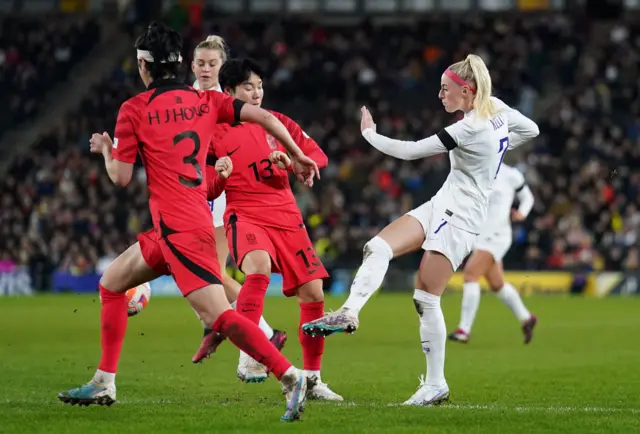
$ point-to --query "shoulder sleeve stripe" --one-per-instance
(519, 189)
(237, 107)
(447, 140)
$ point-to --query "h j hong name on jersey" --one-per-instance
(176, 114)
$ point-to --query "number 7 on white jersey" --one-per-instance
(504, 145)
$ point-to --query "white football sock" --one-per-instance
(511, 298)
(312, 373)
(377, 255)
(433, 335)
(265, 327)
(470, 303)
(104, 378)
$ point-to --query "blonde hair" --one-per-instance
(474, 71)
(214, 42)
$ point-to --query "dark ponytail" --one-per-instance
(165, 45)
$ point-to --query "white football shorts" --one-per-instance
(440, 236)
(496, 243)
(217, 210)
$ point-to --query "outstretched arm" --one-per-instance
(308, 146)
(405, 150)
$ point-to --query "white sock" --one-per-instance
(244, 358)
(377, 255)
(433, 334)
(511, 298)
(470, 303)
(104, 378)
(312, 373)
(265, 327)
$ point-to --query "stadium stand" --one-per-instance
(36, 53)
(586, 217)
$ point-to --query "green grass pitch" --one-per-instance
(581, 373)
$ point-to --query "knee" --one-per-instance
(208, 316)
(311, 292)
(470, 275)
(258, 262)
(496, 285)
(377, 246)
(110, 281)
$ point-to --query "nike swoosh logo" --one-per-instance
(312, 271)
(229, 154)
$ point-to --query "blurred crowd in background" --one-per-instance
(59, 210)
(35, 53)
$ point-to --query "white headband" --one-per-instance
(146, 55)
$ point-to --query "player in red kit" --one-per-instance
(265, 229)
(170, 125)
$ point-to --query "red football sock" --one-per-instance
(250, 339)
(113, 326)
(250, 302)
(312, 346)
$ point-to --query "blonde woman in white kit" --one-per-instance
(208, 57)
(446, 227)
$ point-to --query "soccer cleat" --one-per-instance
(250, 371)
(210, 342)
(428, 395)
(89, 394)
(527, 328)
(321, 391)
(278, 340)
(295, 386)
(340, 321)
(459, 336)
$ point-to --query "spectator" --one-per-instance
(580, 170)
(35, 54)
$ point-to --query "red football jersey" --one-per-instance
(258, 190)
(171, 125)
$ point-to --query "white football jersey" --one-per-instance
(476, 148)
(508, 182)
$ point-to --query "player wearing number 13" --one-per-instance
(171, 125)
(446, 227)
(265, 229)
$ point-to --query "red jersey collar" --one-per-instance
(164, 82)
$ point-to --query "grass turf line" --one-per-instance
(580, 374)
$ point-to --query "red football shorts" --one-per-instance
(189, 256)
(291, 250)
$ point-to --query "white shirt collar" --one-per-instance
(196, 85)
